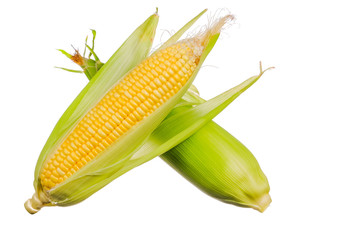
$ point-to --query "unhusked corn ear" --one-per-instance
(221, 166)
(139, 94)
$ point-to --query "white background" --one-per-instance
(301, 120)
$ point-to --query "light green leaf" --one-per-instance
(70, 70)
(170, 133)
(93, 44)
(68, 55)
(92, 52)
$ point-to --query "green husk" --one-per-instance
(221, 166)
(210, 158)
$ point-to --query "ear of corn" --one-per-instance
(98, 134)
(133, 51)
(210, 158)
(221, 166)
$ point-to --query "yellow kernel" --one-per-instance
(161, 92)
(127, 94)
(154, 73)
(145, 92)
(63, 168)
(133, 104)
(53, 179)
(140, 111)
(108, 126)
(118, 132)
(122, 113)
(153, 97)
(148, 104)
(157, 82)
(133, 91)
(143, 107)
(126, 123)
(157, 93)
(137, 115)
(105, 143)
(152, 85)
(101, 132)
(93, 141)
(70, 160)
(76, 167)
(47, 173)
(74, 156)
(104, 117)
(169, 85)
(167, 63)
(112, 123)
(140, 97)
(146, 79)
(170, 71)
(86, 149)
(122, 127)
(82, 152)
(172, 81)
(105, 130)
(150, 76)
(132, 117)
(112, 136)
(67, 164)
(116, 120)
(66, 151)
(126, 110)
(90, 146)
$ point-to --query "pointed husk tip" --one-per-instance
(215, 27)
(262, 203)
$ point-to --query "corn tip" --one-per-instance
(263, 203)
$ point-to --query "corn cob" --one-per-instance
(97, 142)
(217, 163)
